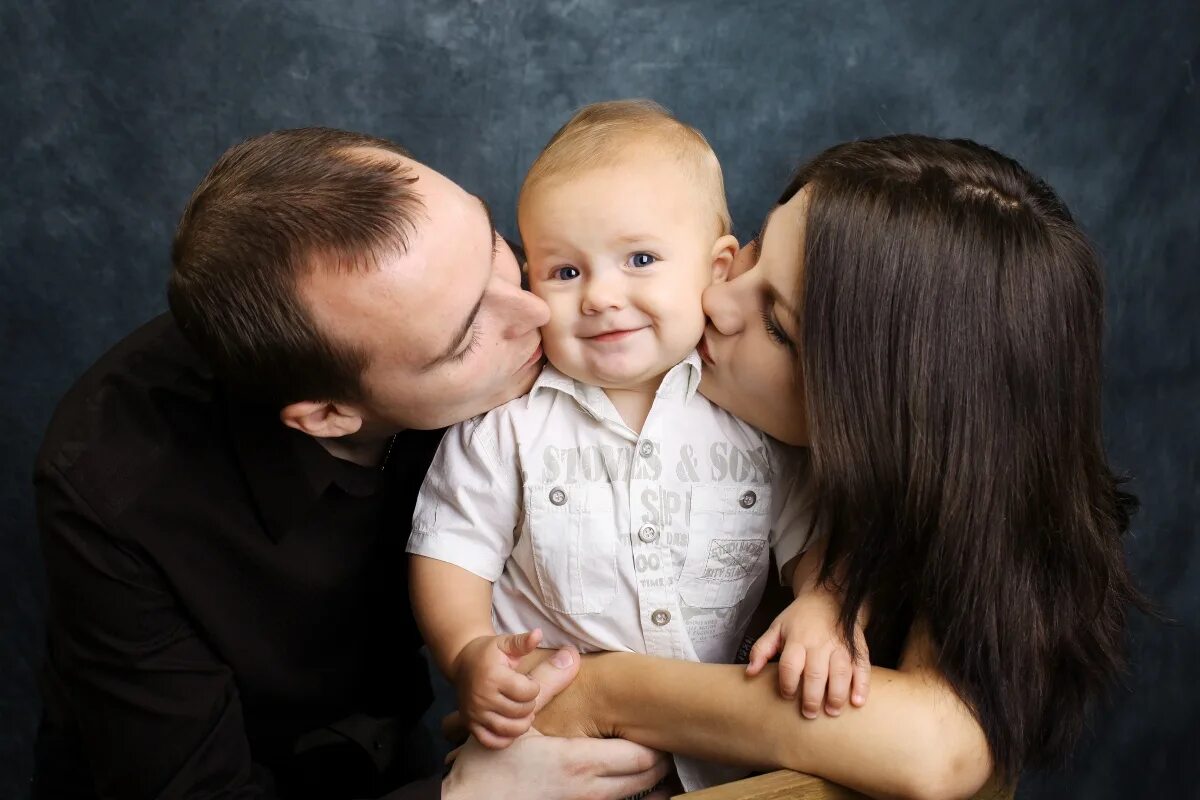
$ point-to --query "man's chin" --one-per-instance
(519, 388)
(527, 380)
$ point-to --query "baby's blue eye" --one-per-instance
(641, 260)
(565, 273)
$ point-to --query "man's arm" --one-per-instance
(428, 789)
(158, 712)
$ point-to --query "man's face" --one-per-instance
(447, 329)
(622, 254)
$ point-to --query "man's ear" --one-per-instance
(322, 420)
(722, 257)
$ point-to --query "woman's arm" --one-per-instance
(913, 739)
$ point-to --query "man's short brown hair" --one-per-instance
(272, 209)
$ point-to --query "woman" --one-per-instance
(926, 317)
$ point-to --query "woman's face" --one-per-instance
(751, 344)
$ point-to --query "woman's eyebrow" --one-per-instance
(778, 299)
(773, 294)
(757, 241)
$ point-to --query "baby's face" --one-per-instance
(621, 254)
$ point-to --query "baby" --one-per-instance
(613, 507)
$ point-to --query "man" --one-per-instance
(224, 498)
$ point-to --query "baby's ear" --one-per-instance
(722, 257)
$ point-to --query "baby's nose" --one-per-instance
(603, 293)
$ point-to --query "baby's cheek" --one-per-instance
(559, 341)
(558, 327)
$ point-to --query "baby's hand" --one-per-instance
(496, 701)
(807, 632)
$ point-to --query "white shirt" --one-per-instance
(609, 540)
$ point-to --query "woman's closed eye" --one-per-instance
(775, 331)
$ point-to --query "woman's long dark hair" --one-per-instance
(952, 317)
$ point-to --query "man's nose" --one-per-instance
(603, 291)
(721, 305)
(523, 311)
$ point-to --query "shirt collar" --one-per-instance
(680, 383)
(288, 471)
(683, 379)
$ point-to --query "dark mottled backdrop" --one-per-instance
(113, 111)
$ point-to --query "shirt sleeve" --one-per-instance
(158, 712)
(791, 529)
(428, 789)
(469, 505)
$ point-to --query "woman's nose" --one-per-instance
(721, 306)
(743, 260)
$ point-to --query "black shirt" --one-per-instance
(228, 611)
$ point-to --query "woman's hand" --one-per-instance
(576, 710)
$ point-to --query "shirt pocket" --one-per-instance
(574, 543)
(727, 543)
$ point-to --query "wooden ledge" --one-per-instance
(787, 785)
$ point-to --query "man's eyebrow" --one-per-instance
(452, 347)
(487, 210)
(459, 335)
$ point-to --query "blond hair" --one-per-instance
(601, 134)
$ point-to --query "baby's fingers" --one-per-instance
(517, 645)
(488, 739)
(816, 672)
(503, 728)
(860, 683)
(518, 688)
(791, 667)
(509, 708)
(764, 649)
(839, 682)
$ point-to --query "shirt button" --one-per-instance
(646, 448)
(748, 499)
(648, 533)
(558, 496)
(660, 617)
